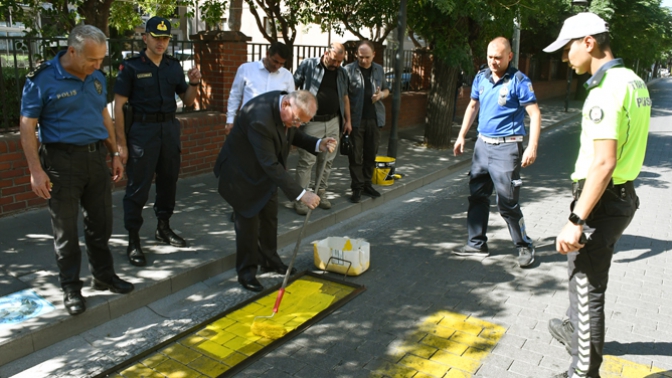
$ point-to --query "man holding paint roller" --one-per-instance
(252, 165)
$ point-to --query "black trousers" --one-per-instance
(153, 149)
(362, 160)
(495, 166)
(589, 274)
(257, 239)
(80, 178)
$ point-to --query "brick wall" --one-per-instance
(202, 137)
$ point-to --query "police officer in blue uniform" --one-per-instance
(149, 82)
(503, 95)
(67, 97)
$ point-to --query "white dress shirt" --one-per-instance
(253, 79)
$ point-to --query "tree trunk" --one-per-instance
(96, 13)
(235, 14)
(441, 105)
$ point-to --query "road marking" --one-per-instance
(213, 349)
(614, 367)
(445, 344)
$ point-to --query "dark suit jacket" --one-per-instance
(253, 161)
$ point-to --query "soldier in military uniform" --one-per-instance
(67, 96)
(149, 82)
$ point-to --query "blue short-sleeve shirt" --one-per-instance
(502, 104)
(150, 88)
(68, 109)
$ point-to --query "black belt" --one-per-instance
(619, 189)
(154, 117)
(324, 117)
(93, 147)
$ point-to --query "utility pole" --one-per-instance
(398, 72)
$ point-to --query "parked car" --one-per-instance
(664, 72)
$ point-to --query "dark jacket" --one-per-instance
(253, 161)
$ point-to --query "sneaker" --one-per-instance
(467, 250)
(562, 331)
(324, 201)
(356, 196)
(369, 191)
(301, 208)
(525, 256)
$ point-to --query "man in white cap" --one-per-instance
(614, 131)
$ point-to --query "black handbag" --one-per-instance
(346, 147)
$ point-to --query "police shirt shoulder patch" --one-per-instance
(529, 87)
(98, 85)
(38, 69)
(596, 114)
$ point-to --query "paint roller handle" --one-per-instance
(276, 307)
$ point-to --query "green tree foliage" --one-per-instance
(640, 30)
(378, 18)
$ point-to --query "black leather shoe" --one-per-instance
(369, 191)
(166, 235)
(134, 251)
(115, 285)
(278, 269)
(74, 302)
(356, 196)
(251, 284)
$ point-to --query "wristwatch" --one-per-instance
(115, 154)
(194, 84)
(576, 219)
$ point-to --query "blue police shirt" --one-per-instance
(150, 88)
(502, 104)
(68, 109)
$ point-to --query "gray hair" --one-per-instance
(305, 101)
(82, 33)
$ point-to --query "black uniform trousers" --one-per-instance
(589, 273)
(362, 159)
(257, 239)
(153, 148)
(495, 166)
(79, 177)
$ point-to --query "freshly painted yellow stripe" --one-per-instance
(614, 367)
(445, 344)
(226, 342)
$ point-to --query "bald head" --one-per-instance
(333, 56)
(499, 56)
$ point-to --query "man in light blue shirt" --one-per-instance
(503, 95)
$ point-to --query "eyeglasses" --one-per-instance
(297, 122)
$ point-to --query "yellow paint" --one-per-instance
(347, 246)
(208, 366)
(614, 367)
(180, 353)
(216, 347)
(424, 366)
(445, 344)
(174, 369)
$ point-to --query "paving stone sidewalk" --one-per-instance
(173, 294)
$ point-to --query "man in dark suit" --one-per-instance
(252, 165)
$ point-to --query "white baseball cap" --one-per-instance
(579, 26)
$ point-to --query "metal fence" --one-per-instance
(19, 55)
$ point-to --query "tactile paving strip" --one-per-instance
(224, 344)
(446, 344)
